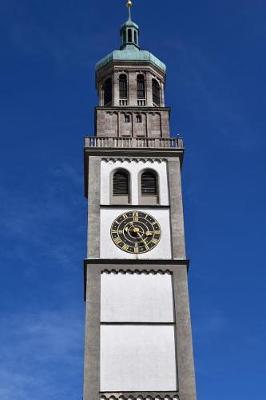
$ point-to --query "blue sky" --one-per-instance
(215, 54)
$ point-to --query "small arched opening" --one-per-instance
(123, 86)
(120, 187)
(156, 93)
(129, 32)
(149, 187)
(108, 91)
(141, 87)
(135, 37)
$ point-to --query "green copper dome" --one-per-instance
(131, 53)
(130, 50)
(129, 22)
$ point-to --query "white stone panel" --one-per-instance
(136, 298)
(134, 168)
(138, 358)
(109, 250)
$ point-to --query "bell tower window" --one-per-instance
(108, 91)
(120, 188)
(123, 86)
(140, 87)
(149, 189)
(156, 93)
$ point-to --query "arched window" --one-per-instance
(149, 187)
(130, 35)
(135, 37)
(108, 91)
(149, 183)
(156, 93)
(123, 86)
(120, 192)
(141, 87)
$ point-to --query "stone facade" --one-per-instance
(132, 122)
(184, 353)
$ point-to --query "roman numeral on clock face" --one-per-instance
(117, 240)
(135, 216)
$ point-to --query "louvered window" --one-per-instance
(123, 86)
(108, 91)
(141, 87)
(156, 93)
(149, 183)
(121, 183)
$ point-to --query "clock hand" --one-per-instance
(129, 226)
(143, 241)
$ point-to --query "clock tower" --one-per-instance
(138, 343)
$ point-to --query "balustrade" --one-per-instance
(130, 142)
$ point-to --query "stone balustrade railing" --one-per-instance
(147, 143)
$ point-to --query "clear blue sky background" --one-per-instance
(215, 54)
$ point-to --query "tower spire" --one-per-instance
(129, 6)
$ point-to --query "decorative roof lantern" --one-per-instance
(129, 31)
(130, 50)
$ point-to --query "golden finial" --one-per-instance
(129, 5)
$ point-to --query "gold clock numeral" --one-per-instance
(125, 247)
(117, 240)
(135, 216)
(136, 248)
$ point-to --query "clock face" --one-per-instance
(135, 232)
